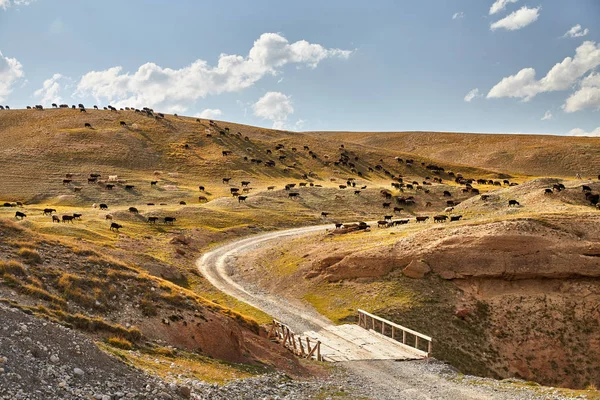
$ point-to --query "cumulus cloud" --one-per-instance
(518, 19)
(472, 94)
(458, 15)
(587, 96)
(170, 89)
(49, 92)
(500, 5)
(209, 113)
(576, 32)
(581, 132)
(547, 115)
(561, 77)
(11, 71)
(274, 106)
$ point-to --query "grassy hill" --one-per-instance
(538, 155)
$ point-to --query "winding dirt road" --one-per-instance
(381, 379)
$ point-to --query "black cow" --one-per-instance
(455, 218)
(133, 210)
(152, 220)
(169, 220)
(20, 215)
(513, 203)
(67, 218)
(77, 216)
(87, 125)
(115, 227)
(49, 211)
(242, 198)
(103, 207)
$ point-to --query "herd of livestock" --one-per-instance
(346, 159)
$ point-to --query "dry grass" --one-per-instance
(30, 256)
(120, 343)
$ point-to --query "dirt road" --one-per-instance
(382, 379)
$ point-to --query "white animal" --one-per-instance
(448, 209)
(112, 178)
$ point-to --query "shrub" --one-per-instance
(120, 342)
(12, 268)
(30, 256)
(148, 308)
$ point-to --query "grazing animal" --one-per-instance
(55, 218)
(129, 187)
(242, 198)
(422, 219)
(153, 183)
(324, 214)
(201, 188)
(448, 209)
(440, 218)
(202, 199)
(115, 227)
(398, 209)
(455, 218)
(357, 192)
(338, 225)
(586, 188)
(133, 210)
(512, 203)
(226, 180)
(245, 183)
(387, 217)
(67, 218)
(152, 220)
(108, 216)
(109, 186)
(428, 204)
(342, 186)
(293, 195)
(103, 206)
(20, 215)
(87, 125)
(386, 205)
(169, 220)
(485, 197)
(67, 181)
(382, 224)
(82, 110)
(49, 211)
(548, 191)
(270, 187)
(92, 180)
(77, 216)
(77, 189)
(182, 203)
(123, 123)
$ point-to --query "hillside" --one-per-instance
(536, 155)
(134, 288)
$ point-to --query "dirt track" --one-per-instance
(382, 379)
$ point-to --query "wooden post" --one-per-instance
(373, 319)
(301, 347)
(313, 350)
(404, 337)
(294, 343)
(284, 337)
(271, 330)
(382, 328)
(429, 349)
(393, 331)
(319, 358)
(416, 342)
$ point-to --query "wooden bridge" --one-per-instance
(373, 338)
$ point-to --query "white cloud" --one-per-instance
(500, 5)
(11, 71)
(576, 32)
(4, 4)
(561, 77)
(49, 92)
(299, 124)
(472, 94)
(274, 106)
(587, 96)
(209, 113)
(158, 87)
(458, 15)
(581, 132)
(518, 19)
(547, 115)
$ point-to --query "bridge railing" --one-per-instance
(295, 343)
(399, 333)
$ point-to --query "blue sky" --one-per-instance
(315, 65)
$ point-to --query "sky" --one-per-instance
(491, 66)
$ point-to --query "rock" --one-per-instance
(185, 392)
(54, 359)
(416, 269)
(462, 313)
(78, 371)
